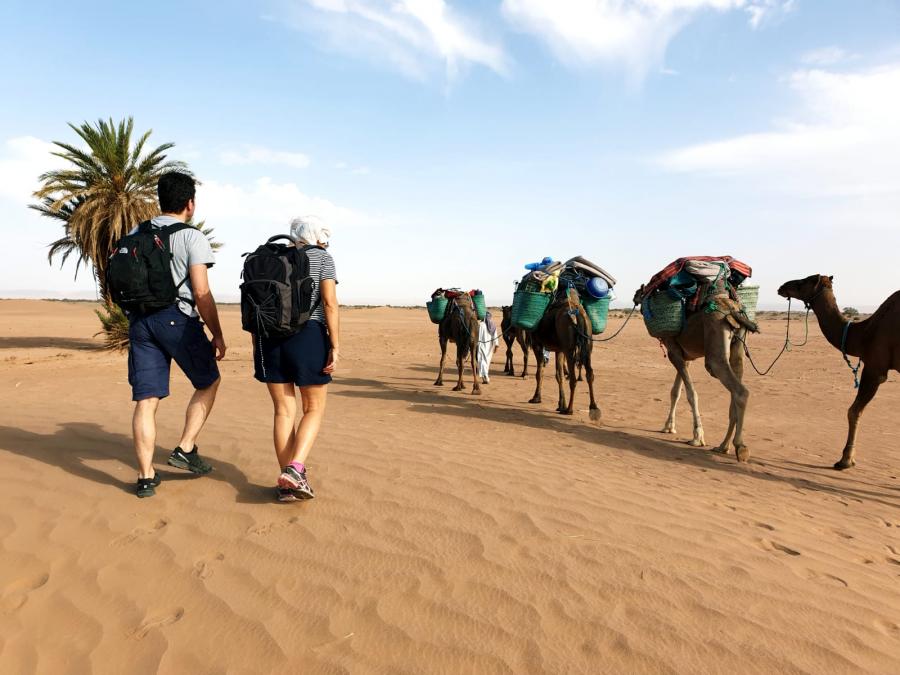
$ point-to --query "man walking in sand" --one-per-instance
(175, 332)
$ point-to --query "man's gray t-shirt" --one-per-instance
(189, 247)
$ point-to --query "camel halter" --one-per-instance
(787, 342)
(853, 369)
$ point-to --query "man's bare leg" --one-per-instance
(195, 416)
(143, 426)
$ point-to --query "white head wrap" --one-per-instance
(310, 230)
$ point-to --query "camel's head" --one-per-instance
(507, 312)
(638, 296)
(805, 290)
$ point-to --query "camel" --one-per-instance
(874, 341)
(566, 330)
(460, 325)
(511, 335)
(716, 337)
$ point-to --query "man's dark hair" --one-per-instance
(175, 190)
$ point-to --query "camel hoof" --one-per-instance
(595, 414)
(668, 430)
(720, 450)
(696, 443)
(743, 453)
(566, 412)
(438, 384)
(458, 388)
(534, 400)
(842, 465)
(476, 392)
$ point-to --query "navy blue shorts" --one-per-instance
(156, 339)
(298, 358)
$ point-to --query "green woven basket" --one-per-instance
(663, 315)
(480, 305)
(597, 310)
(437, 307)
(528, 308)
(749, 296)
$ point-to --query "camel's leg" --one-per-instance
(561, 376)
(589, 376)
(580, 373)
(508, 368)
(719, 367)
(698, 441)
(573, 381)
(736, 360)
(525, 350)
(538, 376)
(439, 382)
(868, 385)
(476, 390)
(674, 395)
(460, 364)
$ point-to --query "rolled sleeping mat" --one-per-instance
(581, 263)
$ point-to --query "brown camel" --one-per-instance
(565, 330)
(460, 325)
(716, 337)
(512, 335)
(874, 341)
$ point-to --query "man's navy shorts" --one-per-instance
(155, 339)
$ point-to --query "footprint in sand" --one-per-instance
(843, 535)
(16, 594)
(767, 545)
(204, 568)
(155, 622)
(268, 528)
(812, 575)
(889, 628)
(138, 532)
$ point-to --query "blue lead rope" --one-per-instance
(844, 354)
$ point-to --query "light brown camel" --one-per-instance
(716, 337)
(874, 341)
(512, 335)
(565, 330)
(460, 325)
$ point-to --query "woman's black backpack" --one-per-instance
(139, 272)
(276, 294)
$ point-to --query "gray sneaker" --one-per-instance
(295, 480)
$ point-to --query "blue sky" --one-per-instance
(447, 143)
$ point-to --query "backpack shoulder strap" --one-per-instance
(145, 227)
(168, 231)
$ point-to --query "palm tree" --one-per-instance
(109, 187)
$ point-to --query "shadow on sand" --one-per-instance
(80, 344)
(799, 476)
(74, 444)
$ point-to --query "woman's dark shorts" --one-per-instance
(298, 358)
(155, 339)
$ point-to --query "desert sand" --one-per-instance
(450, 534)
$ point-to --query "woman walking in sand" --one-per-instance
(302, 362)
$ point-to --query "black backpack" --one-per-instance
(139, 272)
(276, 294)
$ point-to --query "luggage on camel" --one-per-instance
(139, 272)
(551, 280)
(277, 289)
(440, 300)
(690, 284)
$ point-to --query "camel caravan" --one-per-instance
(696, 307)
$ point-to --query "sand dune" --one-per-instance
(451, 534)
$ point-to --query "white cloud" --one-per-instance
(844, 142)
(257, 154)
(826, 56)
(410, 35)
(629, 33)
(22, 160)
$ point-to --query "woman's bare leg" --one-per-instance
(312, 399)
(285, 404)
